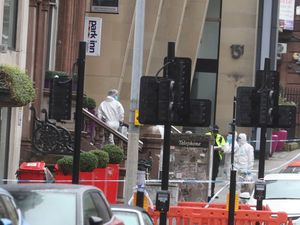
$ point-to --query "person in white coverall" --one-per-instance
(111, 112)
(227, 153)
(244, 161)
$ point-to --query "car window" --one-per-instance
(292, 169)
(60, 208)
(102, 206)
(147, 219)
(11, 210)
(89, 208)
(291, 189)
(129, 218)
(8, 210)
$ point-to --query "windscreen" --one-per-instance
(47, 208)
(283, 189)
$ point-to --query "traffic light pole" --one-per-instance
(232, 188)
(261, 165)
(78, 116)
(263, 132)
(166, 147)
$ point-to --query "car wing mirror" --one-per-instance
(95, 220)
(245, 195)
(5, 221)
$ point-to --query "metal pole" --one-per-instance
(262, 151)
(261, 165)
(166, 146)
(137, 68)
(232, 188)
(78, 117)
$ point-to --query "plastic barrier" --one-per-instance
(185, 215)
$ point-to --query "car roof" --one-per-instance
(74, 188)
(4, 192)
(283, 176)
(294, 163)
(130, 207)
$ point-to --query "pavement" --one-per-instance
(274, 164)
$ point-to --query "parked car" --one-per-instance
(62, 204)
(132, 215)
(293, 167)
(9, 213)
(282, 194)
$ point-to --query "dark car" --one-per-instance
(9, 214)
(132, 215)
(62, 204)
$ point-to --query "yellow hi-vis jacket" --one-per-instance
(219, 142)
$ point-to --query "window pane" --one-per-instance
(210, 39)
(102, 207)
(127, 217)
(9, 23)
(60, 208)
(89, 208)
(11, 211)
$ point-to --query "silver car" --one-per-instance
(9, 213)
(132, 215)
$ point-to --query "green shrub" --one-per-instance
(88, 102)
(115, 153)
(88, 161)
(18, 83)
(103, 158)
(65, 165)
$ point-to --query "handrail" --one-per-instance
(107, 128)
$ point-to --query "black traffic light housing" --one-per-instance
(166, 100)
(148, 101)
(179, 70)
(246, 107)
(60, 99)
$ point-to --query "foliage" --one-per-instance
(50, 74)
(65, 164)
(18, 83)
(283, 101)
(103, 158)
(115, 153)
(88, 102)
(88, 161)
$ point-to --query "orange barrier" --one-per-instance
(186, 215)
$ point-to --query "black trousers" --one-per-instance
(215, 170)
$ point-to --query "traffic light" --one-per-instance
(165, 100)
(60, 99)
(285, 117)
(200, 113)
(179, 70)
(148, 101)
(247, 113)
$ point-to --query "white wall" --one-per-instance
(17, 57)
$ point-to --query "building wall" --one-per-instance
(16, 57)
(179, 21)
(237, 27)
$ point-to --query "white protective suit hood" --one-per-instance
(242, 138)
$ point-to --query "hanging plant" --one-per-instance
(15, 86)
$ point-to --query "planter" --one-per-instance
(282, 136)
(99, 177)
(16, 88)
(5, 99)
(112, 174)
